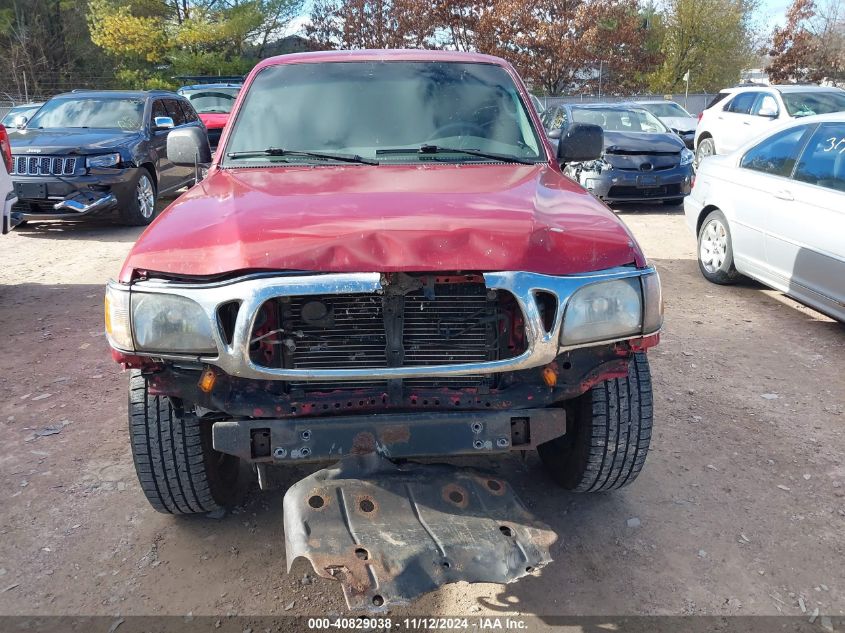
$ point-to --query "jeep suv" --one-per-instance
(747, 112)
(384, 262)
(95, 153)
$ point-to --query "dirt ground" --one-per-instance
(740, 508)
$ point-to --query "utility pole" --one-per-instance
(601, 68)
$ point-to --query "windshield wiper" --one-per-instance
(278, 151)
(437, 149)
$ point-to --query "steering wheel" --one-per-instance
(458, 126)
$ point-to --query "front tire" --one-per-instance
(140, 208)
(715, 250)
(179, 471)
(608, 431)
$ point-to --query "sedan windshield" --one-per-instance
(93, 112)
(668, 109)
(213, 100)
(809, 103)
(392, 111)
(619, 119)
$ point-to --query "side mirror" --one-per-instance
(20, 122)
(163, 123)
(580, 142)
(188, 146)
(768, 113)
(555, 134)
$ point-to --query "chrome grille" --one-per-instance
(43, 166)
(459, 324)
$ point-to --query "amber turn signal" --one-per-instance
(207, 380)
(549, 376)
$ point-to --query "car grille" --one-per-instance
(460, 323)
(43, 165)
(35, 206)
(619, 192)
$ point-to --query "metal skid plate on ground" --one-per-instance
(390, 533)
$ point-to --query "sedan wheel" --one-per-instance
(715, 252)
(714, 246)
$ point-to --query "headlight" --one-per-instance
(687, 156)
(171, 324)
(595, 165)
(603, 311)
(104, 160)
(118, 330)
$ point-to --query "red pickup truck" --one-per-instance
(385, 261)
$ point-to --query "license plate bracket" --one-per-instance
(31, 190)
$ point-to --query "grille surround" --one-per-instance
(455, 324)
(38, 165)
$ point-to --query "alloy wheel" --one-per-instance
(714, 246)
(145, 194)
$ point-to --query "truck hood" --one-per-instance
(69, 140)
(389, 218)
(214, 120)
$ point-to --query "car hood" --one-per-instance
(680, 123)
(638, 150)
(68, 140)
(384, 219)
(641, 142)
(214, 120)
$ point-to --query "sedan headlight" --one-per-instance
(602, 311)
(687, 156)
(597, 165)
(171, 324)
(103, 160)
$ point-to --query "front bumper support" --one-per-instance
(391, 533)
(395, 435)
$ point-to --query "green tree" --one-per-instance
(151, 40)
(45, 48)
(713, 40)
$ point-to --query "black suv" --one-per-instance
(87, 153)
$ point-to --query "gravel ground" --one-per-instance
(740, 508)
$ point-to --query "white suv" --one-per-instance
(747, 112)
(7, 191)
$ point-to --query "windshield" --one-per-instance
(666, 109)
(366, 108)
(18, 111)
(213, 100)
(808, 103)
(96, 112)
(619, 120)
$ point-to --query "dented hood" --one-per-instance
(357, 218)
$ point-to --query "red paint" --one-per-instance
(214, 120)
(387, 218)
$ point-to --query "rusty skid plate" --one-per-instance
(390, 533)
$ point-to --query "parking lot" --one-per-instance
(740, 509)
